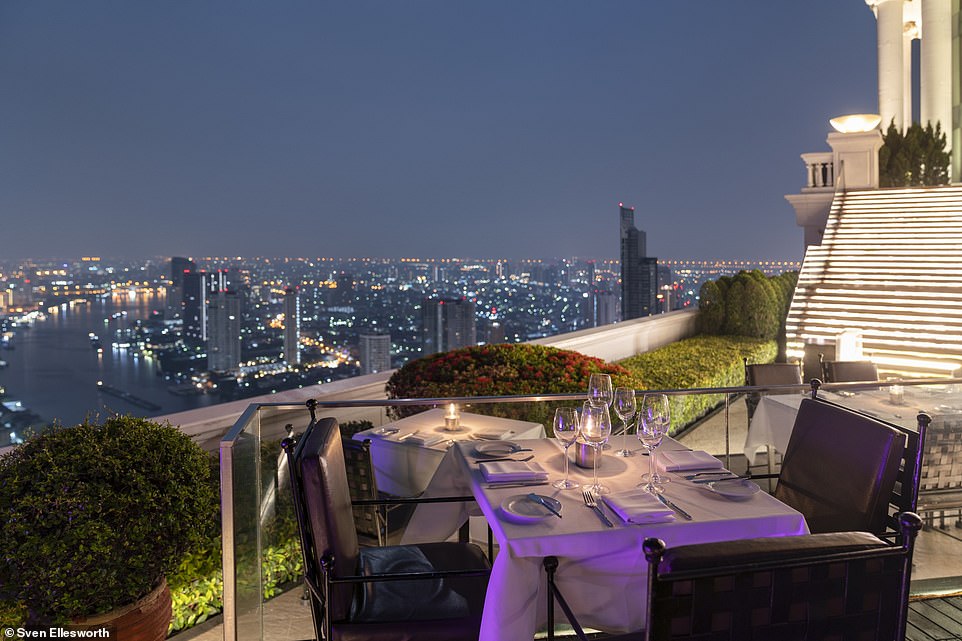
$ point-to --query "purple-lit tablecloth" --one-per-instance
(404, 468)
(602, 570)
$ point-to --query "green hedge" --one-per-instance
(702, 361)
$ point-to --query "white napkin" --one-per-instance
(492, 436)
(639, 507)
(425, 440)
(680, 461)
(504, 471)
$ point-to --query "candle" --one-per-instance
(452, 418)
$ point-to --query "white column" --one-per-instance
(936, 65)
(890, 61)
(909, 33)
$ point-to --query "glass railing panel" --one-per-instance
(740, 424)
(240, 517)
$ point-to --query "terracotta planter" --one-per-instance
(146, 620)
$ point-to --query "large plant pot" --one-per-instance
(146, 620)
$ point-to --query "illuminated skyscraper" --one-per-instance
(224, 337)
(196, 290)
(175, 295)
(292, 327)
(375, 348)
(639, 272)
(448, 324)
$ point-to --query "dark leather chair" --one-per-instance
(840, 585)
(849, 371)
(843, 585)
(432, 591)
(848, 471)
(763, 374)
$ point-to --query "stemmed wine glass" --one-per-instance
(566, 426)
(624, 406)
(654, 420)
(595, 430)
(599, 389)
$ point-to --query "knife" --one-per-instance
(537, 498)
(667, 503)
(495, 485)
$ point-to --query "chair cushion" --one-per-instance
(728, 553)
(416, 600)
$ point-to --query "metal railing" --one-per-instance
(253, 477)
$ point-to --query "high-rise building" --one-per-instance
(448, 324)
(292, 327)
(224, 335)
(639, 272)
(375, 348)
(604, 307)
(175, 295)
(196, 288)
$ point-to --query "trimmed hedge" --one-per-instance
(702, 361)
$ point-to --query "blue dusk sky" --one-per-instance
(418, 128)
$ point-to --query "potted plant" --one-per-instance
(93, 517)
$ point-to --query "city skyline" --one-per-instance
(436, 129)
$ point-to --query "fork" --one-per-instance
(593, 504)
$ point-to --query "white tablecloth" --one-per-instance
(775, 415)
(602, 570)
(404, 468)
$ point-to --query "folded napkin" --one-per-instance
(639, 507)
(425, 440)
(504, 471)
(680, 461)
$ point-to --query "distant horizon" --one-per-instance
(164, 257)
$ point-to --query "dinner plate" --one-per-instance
(737, 489)
(520, 509)
(492, 449)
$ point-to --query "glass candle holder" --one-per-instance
(452, 418)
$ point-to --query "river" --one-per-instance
(53, 369)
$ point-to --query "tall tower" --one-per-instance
(175, 295)
(196, 292)
(375, 348)
(224, 337)
(448, 324)
(639, 272)
(899, 22)
(292, 327)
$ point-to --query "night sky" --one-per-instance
(415, 128)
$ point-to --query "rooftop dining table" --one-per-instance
(775, 415)
(406, 453)
(602, 570)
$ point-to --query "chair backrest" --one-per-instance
(772, 374)
(322, 502)
(362, 485)
(849, 371)
(848, 585)
(840, 468)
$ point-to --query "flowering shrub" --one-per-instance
(500, 370)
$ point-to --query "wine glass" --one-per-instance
(654, 420)
(599, 389)
(623, 404)
(566, 426)
(595, 430)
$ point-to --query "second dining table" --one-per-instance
(602, 569)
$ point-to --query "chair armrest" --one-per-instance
(415, 500)
(406, 576)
